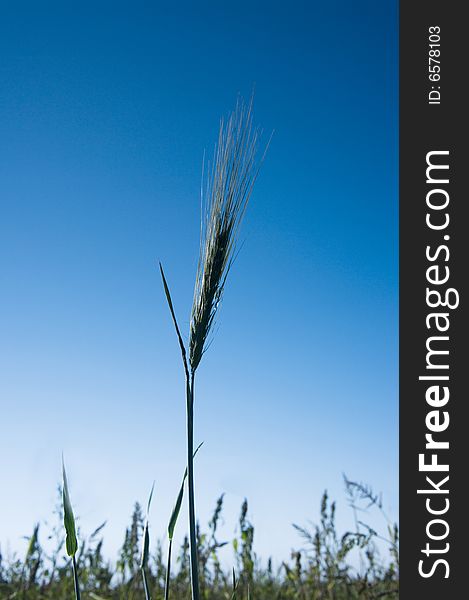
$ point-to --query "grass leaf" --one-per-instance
(69, 519)
(173, 316)
(234, 595)
(146, 534)
(177, 506)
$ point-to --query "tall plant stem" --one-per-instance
(190, 445)
(75, 578)
(190, 483)
(145, 585)
(168, 571)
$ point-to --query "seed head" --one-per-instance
(232, 176)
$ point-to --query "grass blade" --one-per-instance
(146, 547)
(71, 543)
(177, 506)
(173, 316)
(172, 524)
(234, 595)
(146, 534)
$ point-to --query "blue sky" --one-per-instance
(105, 112)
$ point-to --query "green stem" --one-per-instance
(145, 584)
(168, 571)
(75, 578)
(190, 446)
(190, 483)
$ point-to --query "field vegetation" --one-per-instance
(361, 563)
(324, 567)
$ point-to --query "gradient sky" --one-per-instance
(106, 109)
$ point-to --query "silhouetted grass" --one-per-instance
(234, 171)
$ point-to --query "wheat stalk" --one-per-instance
(231, 179)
